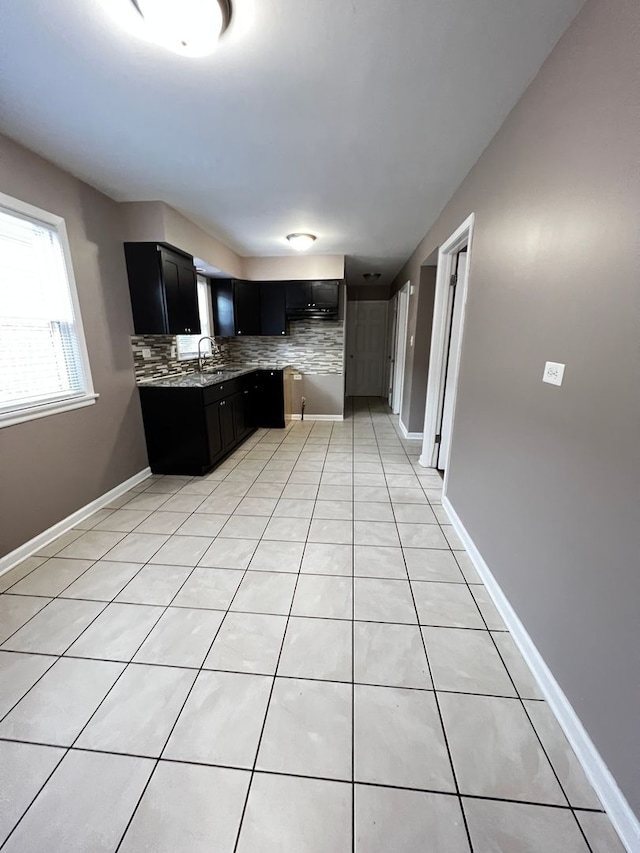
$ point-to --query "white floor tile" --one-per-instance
(288, 815)
(137, 716)
(222, 720)
(398, 739)
(402, 821)
(308, 729)
(85, 805)
(177, 813)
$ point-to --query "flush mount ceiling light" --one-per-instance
(188, 27)
(301, 241)
(371, 276)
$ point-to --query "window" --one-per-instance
(188, 344)
(43, 360)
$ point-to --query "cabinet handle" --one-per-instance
(221, 388)
(239, 332)
(223, 403)
(246, 392)
(282, 333)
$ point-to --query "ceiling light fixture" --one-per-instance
(301, 241)
(188, 27)
(371, 276)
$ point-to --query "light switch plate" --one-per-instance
(297, 376)
(553, 373)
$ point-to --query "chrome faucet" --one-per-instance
(201, 357)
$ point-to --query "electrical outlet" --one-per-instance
(553, 373)
(412, 290)
(146, 352)
(297, 376)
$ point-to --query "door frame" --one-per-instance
(392, 330)
(461, 237)
(402, 327)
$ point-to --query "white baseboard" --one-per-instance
(406, 434)
(33, 545)
(318, 417)
(624, 820)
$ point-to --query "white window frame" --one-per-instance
(88, 397)
(187, 345)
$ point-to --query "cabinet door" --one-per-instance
(239, 419)
(172, 295)
(223, 312)
(247, 307)
(273, 319)
(298, 296)
(271, 406)
(214, 433)
(227, 425)
(324, 294)
(189, 299)
(181, 294)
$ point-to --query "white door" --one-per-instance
(455, 335)
(366, 347)
(402, 320)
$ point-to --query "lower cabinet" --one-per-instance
(190, 430)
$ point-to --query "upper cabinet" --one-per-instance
(262, 307)
(242, 308)
(164, 295)
(236, 307)
(247, 307)
(273, 316)
(312, 298)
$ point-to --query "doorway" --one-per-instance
(398, 347)
(446, 346)
(366, 348)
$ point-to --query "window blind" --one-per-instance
(40, 360)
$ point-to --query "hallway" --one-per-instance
(291, 654)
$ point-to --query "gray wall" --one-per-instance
(416, 366)
(52, 466)
(546, 479)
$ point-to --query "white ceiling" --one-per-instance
(355, 119)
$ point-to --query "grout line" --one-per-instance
(438, 708)
(190, 762)
(273, 683)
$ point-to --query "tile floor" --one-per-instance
(292, 654)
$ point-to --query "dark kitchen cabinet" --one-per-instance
(227, 423)
(163, 288)
(247, 307)
(236, 307)
(273, 312)
(312, 298)
(270, 401)
(214, 432)
(190, 429)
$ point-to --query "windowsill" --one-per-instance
(30, 413)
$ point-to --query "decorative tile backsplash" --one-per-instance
(161, 362)
(312, 346)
